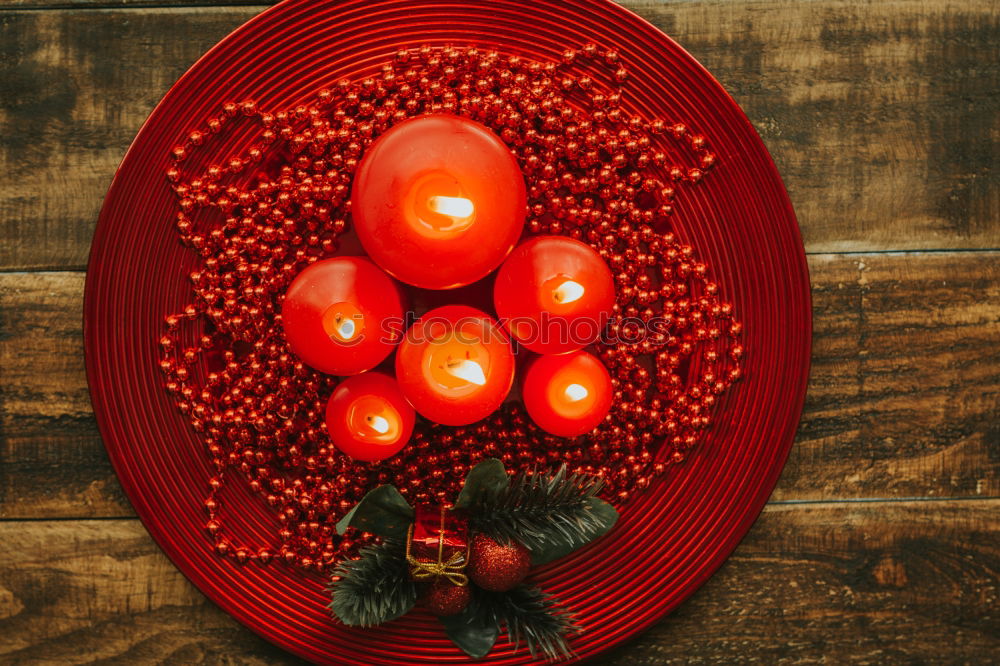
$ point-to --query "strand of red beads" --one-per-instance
(593, 172)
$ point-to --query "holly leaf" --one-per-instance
(555, 546)
(487, 478)
(382, 511)
(472, 634)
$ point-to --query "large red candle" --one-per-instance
(554, 294)
(341, 316)
(567, 394)
(455, 365)
(438, 201)
(368, 418)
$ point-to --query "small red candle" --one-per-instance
(438, 201)
(567, 394)
(455, 365)
(554, 294)
(338, 315)
(368, 418)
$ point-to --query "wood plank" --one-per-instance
(904, 398)
(131, 4)
(881, 116)
(904, 393)
(859, 583)
(906, 582)
(75, 592)
(75, 86)
(52, 462)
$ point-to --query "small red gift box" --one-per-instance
(438, 544)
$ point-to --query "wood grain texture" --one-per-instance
(74, 592)
(879, 582)
(74, 88)
(904, 393)
(859, 583)
(131, 4)
(904, 399)
(883, 117)
(52, 462)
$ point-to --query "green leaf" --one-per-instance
(603, 516)
(382, 511)
(473, 635)
(487, 478)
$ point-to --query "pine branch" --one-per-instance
(537, 509)
(529, 615)
(375, 588)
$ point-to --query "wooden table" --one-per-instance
(881, 543)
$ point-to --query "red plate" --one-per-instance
(739, 219)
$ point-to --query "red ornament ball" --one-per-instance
(444, 598)
(496, 566)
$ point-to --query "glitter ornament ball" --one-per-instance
(443, 598)
(496, 566)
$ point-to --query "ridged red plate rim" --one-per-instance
(739, 219)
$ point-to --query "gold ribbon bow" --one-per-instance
(450, 570)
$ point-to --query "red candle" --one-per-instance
(438, 201)
(567, 394)
(368, 418)
(455, 365)
(554, 294)
(339, 315)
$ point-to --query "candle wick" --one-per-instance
(568, 291)
(576, 392)
(470, 371)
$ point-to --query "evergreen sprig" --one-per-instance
(546, 512)
(530, 615)
(550, 513)
(374, 588)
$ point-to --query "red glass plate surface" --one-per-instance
(670, 539)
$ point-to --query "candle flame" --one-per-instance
(568, 291)
(379, 424)
(470, 371)
(346, 329)
(457, 207)
(576, 392)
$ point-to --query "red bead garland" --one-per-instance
(593, 172)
